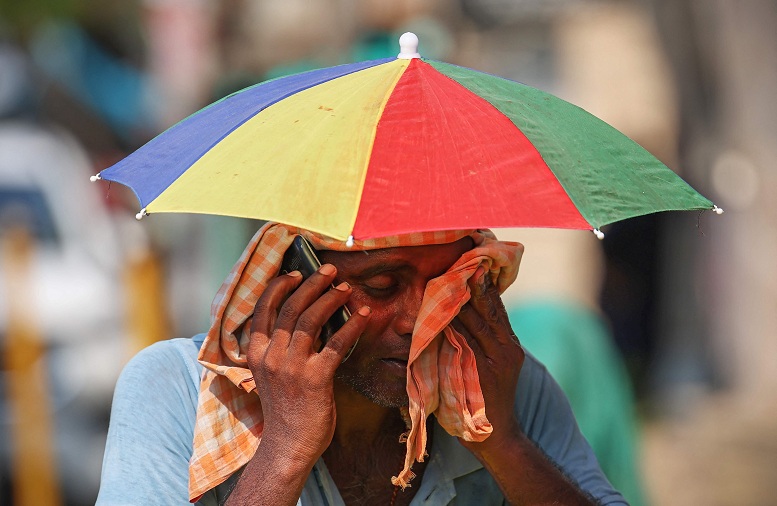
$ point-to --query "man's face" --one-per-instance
(391, 282)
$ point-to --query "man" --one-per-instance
(425, 309)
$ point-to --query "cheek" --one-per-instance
(380, 322)
(382, 314)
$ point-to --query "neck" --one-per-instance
(361, 421)
(366, 451)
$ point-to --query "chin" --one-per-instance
(388, 401)
(384, 394)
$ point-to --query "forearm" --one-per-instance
(270, 478)
(295, 383)
(524, 474)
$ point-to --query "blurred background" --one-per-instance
(663, 334)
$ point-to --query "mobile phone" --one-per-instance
(301, 256)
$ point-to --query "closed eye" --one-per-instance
(381, 286)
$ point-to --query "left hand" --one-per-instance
(483, 322)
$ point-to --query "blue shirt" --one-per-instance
(152, 426)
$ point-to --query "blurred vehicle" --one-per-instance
(76, 285)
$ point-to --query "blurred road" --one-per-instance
(724, 453)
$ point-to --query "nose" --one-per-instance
(408, 309)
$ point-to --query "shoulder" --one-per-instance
(537, 390)
(172, 356)
(542, 407)
(543, 410)
(547, 419)
(152, 420)
(166, 368)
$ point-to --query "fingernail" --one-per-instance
(327, 269)
(295, 274)
(364, 310)
(343, 287)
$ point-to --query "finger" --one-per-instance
(307, 293)
(490, 337)
(266, 308)
(339, 345)
(312, 320)
(485, 297)
(459, 327)
(485, 315)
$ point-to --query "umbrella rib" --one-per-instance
(368, 158)
(269, 104)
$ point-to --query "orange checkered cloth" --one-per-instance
(442, 375)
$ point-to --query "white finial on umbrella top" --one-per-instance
(408, 46)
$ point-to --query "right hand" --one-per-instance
(294, 381)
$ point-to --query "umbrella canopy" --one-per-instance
(400, 145)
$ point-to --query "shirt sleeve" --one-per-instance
(547, 419)
(150, 435)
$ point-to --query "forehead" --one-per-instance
(432, 258)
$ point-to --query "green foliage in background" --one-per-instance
(116, 19)
(21, 17)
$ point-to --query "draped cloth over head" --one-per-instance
(442, 376)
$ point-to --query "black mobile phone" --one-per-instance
(301, 256)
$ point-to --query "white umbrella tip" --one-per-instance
(408, 46)
(717, 210)
(94, 178)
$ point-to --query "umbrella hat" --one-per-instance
(400, 145)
